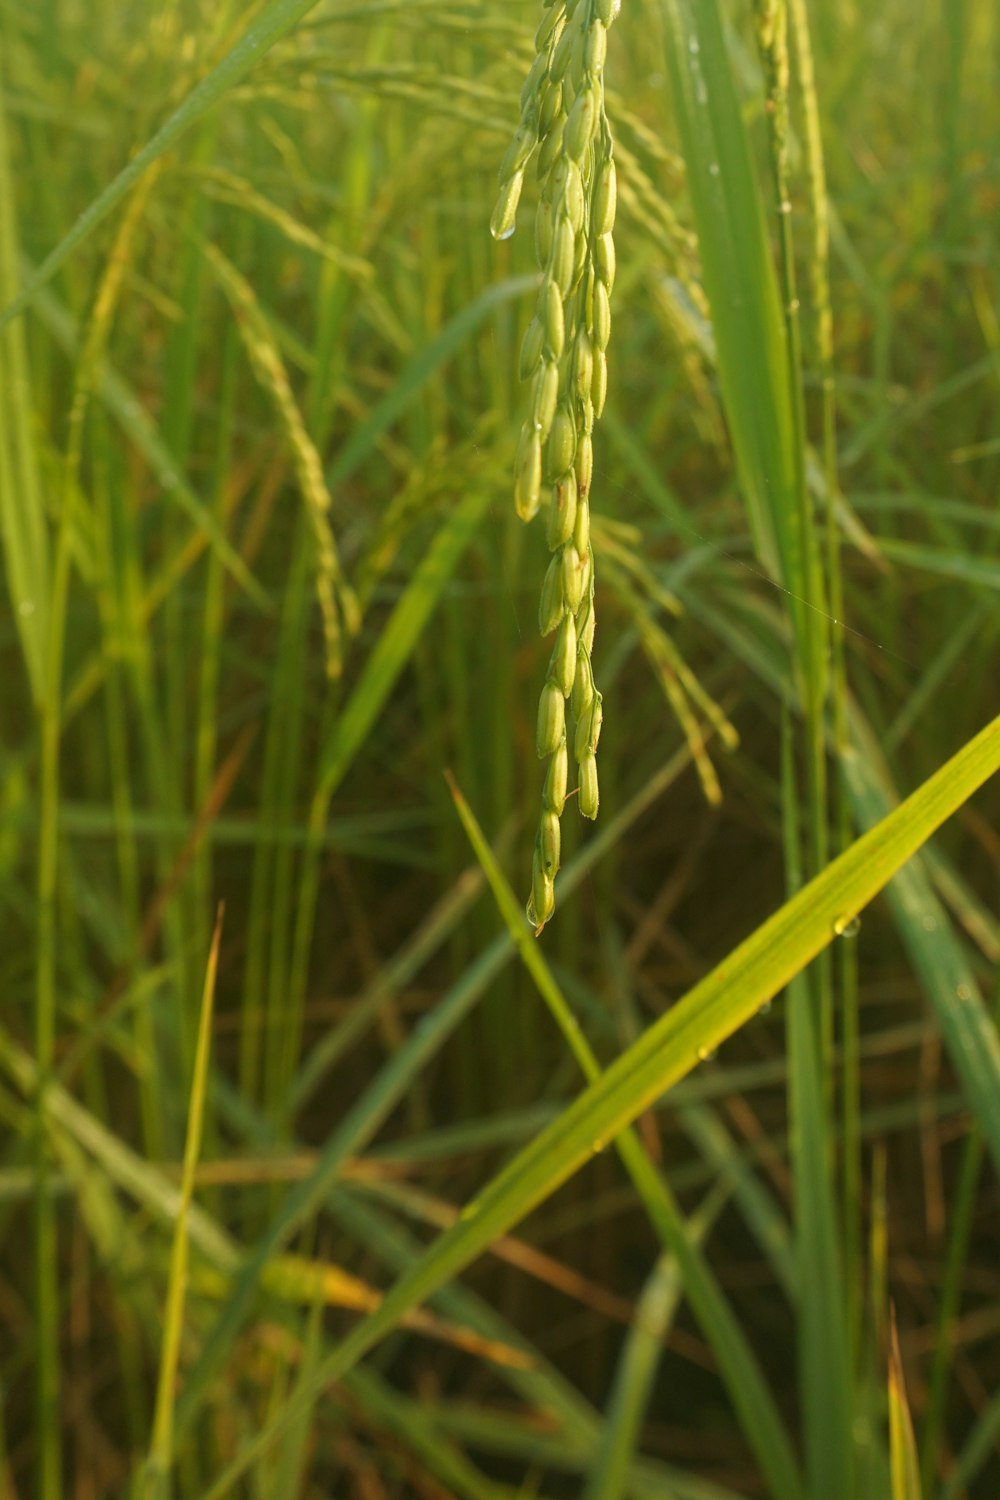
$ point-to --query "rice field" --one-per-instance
(402, 1095)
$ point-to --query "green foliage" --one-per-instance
(267, 624)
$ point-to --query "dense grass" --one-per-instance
(263, 586)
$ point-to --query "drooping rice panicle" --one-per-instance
(337, 599)
(564, 356)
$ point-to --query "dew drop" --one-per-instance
(765, 1009)
(713, 170)
(597, 1146)
(707, 1054)
(504, 234)
(26, 607)
(693, 46)
(847, 926)
(964, 992)
(929, 922)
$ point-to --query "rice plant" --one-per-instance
(327, 1171)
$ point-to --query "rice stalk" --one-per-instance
(817, 322)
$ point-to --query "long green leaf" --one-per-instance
(414, 377)
(960, 566)
(902, 1445)
(728, 997)
(161, 1451)
(22, 515)
(397, 641)
(761, 1212)
(608, 1478)
(746, 309)
(823, 1359)
(757, 360)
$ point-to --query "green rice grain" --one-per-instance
(563, 355)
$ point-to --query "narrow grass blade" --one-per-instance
(22, 512)
(398, 639)
(608, 1478)
(761, 1212)
(874, 1480)
(275, 21)
(746, 312)
(728, 997)
(904, 1466)
(823, 1361)
(161, 1451)
(439, 924)
(961, 1216)
(291, 1463)
(419, 370)
(822, 1333)
(946, 563)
